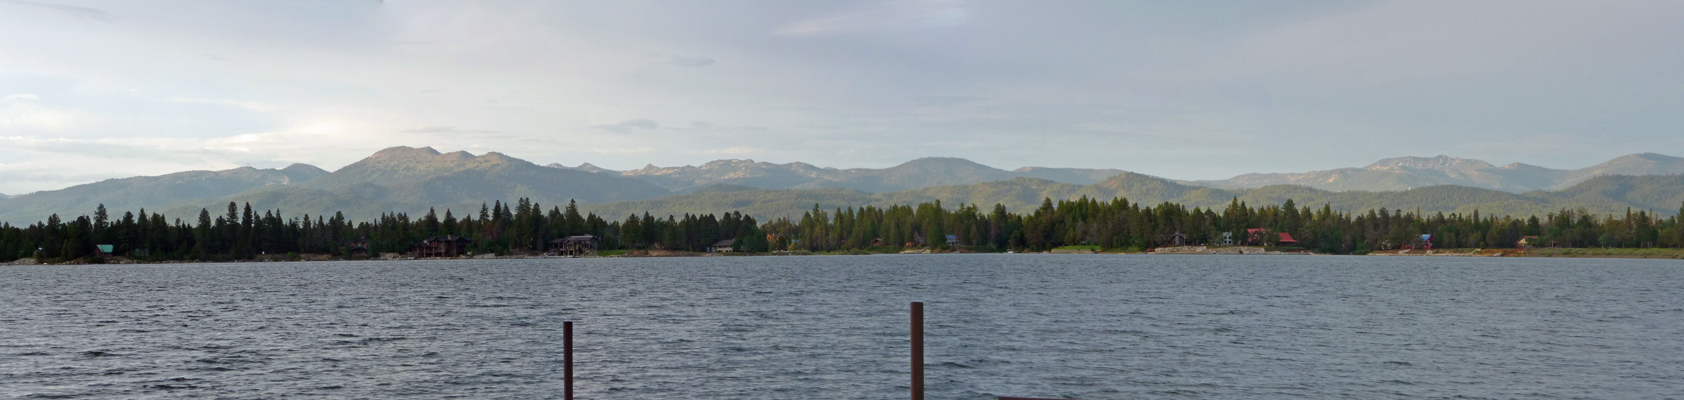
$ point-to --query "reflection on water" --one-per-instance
(1090, 327)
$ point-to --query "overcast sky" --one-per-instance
(1183, 89)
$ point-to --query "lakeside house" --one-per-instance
(448, 246)
(577, 245)
(357, 247)
(1287, 240)
(723, 246)
(1526, 242)
(1179, 239)
(917, 241)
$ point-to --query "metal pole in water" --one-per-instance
(917, 350)
(567, 357)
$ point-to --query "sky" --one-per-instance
(91, 90)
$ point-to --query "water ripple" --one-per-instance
(1089, 327)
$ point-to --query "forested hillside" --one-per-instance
(149, 191)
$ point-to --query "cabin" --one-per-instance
(1254, 236)
(952, 240)
(1227, 239)
(1178, 239)
(105, 249)
(449, 246)
(578, 245)
(1287, 240)
(357, 247)
(723, 246)
(917, 241)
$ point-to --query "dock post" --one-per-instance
(567, 358)
(917, 350)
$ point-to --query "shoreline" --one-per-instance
(1649, 253)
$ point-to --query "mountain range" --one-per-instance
(414, 180)
(1610, 194)
(150, 192)
(1405, 173)
(923, 172)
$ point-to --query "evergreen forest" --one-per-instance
(524, 227)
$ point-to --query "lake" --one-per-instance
(1055, 326)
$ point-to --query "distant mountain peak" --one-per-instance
(1435, 162)
(588, 167)
(1650, 157)
(404, 151)
(944, 162)
(459, 154)
(926, 160)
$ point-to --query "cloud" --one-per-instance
(445, 129)
(879, 16)
(734, 150)
(687, 62)
(623, 150)
(78, 12)
(301, 143)
(944, 101)
(249, 105)
(21, 115)
(23, 96)
(627, 125)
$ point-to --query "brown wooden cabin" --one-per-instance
(1179, 239)
(442, 247)
(917, 241)
(357, 247)
(580, 245)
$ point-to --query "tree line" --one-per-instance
(524, 227)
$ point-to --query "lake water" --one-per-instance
(1078, 326)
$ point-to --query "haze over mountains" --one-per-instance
(923, 172)
(413, 180)
(1662, 194)
(1403, 173)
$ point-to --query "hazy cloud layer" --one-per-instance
(629, 125)
(97, 89)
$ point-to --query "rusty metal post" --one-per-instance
(567, 357)
(917, 350)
